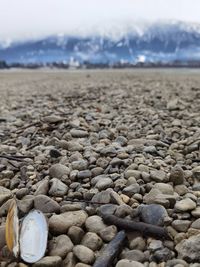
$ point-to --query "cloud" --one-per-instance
(25, 19)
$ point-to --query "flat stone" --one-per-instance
(60, 246)
(58, 188)
(49, 261)
(59, 224)
(84, 254)
(58, 170)
(185, 205)
(78, 133)
(46, 204)
(52, 119)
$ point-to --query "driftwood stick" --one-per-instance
(144, 228)
(111, 251)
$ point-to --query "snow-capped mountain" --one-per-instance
(155, 42)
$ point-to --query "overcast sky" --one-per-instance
(24, 19)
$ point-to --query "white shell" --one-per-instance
(33, 236)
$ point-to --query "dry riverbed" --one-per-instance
(129, 139)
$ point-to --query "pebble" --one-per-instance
(49, 261)
(76, 234)
(153, 214)
(61, 223)
(185, 205)
(133, 255)
(5, 194)
(129, 263)
(158, 176)
(95, 224)
(92, 241)
(177, 175)
(58, 170)
(46, 204)
(58, 188)
(188, 249)
(84, 254)
(60, 246)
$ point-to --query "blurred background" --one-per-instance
(94, 33)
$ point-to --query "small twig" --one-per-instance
(144, 228)
(84, 201)
(15, 157)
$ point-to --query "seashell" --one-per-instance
(33, 236)
(12, 229)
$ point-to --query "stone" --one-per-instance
(177, 175)
(69, 261)
(76, 234)
(104, 183)
(79, 165)
(84, 254)
(95, 224)
(58, 188)
(107, 209)
(60, 246)
(74, 146)
(54, 153)
(185, 204)
(78, 133)
(164, 188)
(5, 194)
(2, 237)
(174, 262)
(155, 245)
(46, 204)
(22, 192)
(58, 170)
(136, 243)
(181, 225)
(108, 233)
(153, 214)
(92, 241)
(129, 263)
(59, 224)
(163, 255)
(158, 176)
(26, 204)
(42, 187)
(52, 119)
(49, 261)
(133, 255)
(188, 249)
(196, 224)
(102, 197)
(131, 189)
(196, 172)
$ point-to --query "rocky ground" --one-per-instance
(129, 139)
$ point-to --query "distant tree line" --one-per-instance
(89, 65)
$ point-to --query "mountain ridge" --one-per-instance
(163, 41)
